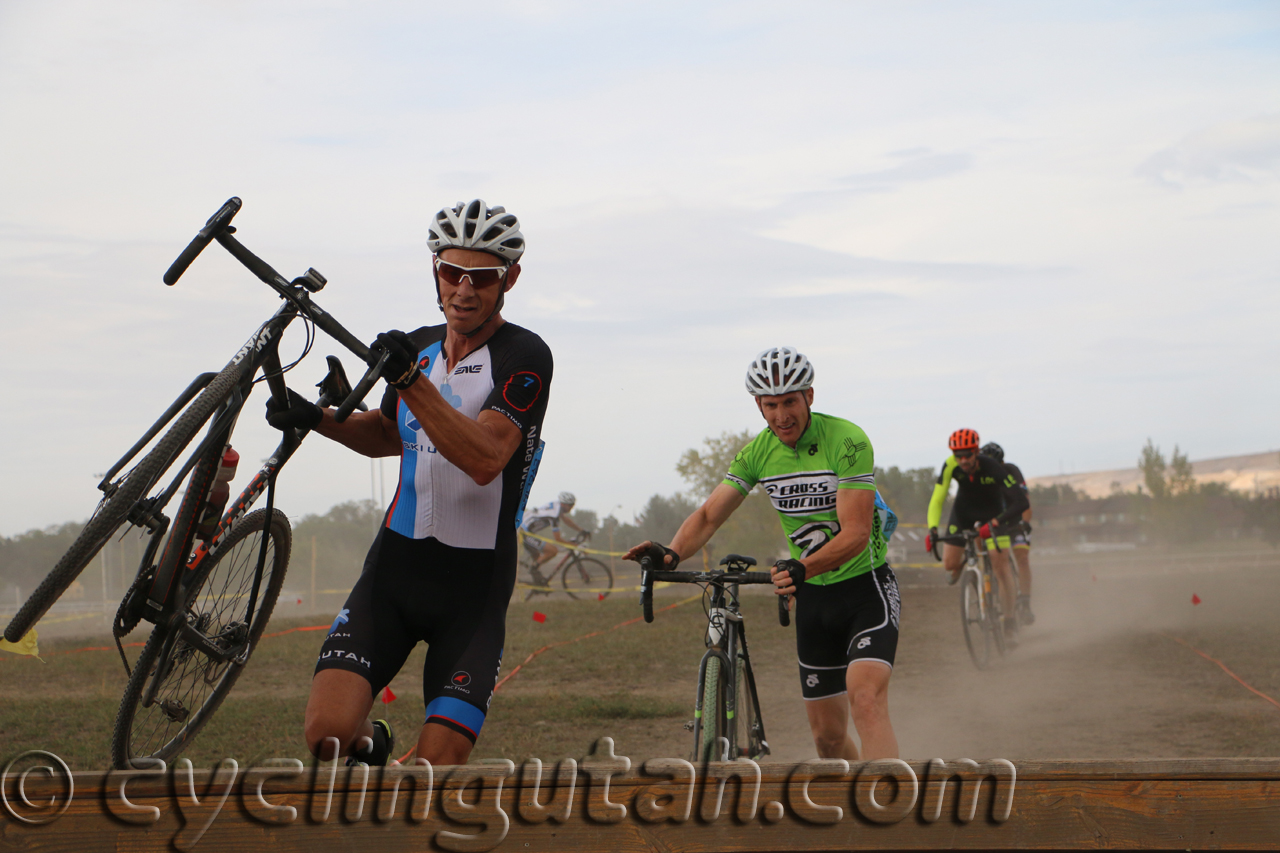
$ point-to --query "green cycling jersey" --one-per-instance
(801, 482)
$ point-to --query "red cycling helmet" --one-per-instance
(963, 439)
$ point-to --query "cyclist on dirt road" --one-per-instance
(463, 410)
(1019, 543)
(548, 517)
(987, 496)
(818, 472)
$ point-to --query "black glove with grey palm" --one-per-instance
(301, 413)
(401, 369)
(795, 571)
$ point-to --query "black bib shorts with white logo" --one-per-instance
(855, 619)
(453, 599)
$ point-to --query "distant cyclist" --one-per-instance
(1019, 542)
(548, 518)
(463, 410)
(987, 496)
(818, 472)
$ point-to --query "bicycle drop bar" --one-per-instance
(215, 226)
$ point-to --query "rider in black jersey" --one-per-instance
(986, 496)
(442, 567)
(1019, 543)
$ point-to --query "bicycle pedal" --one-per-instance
(688, 725)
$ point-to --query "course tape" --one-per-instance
(571, 545)
(1243, 683)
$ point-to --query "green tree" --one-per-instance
(907, 492)
(1180, 479)
(753, 529)
(1153, 466)
(704, 469)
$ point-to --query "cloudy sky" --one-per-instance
(1054, 223)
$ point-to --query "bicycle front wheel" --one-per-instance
(706, 746)
(976, 636)
(193, 685)
(586, 578)
(114, 509)
(995, 613)
(747, 724)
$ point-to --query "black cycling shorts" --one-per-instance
(852, 620)
(453, 599)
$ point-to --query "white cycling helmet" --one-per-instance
(568, 498)
(779, 370)
(475, 225)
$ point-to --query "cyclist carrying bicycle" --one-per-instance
(818, 472)
(463, 409)
(1019, 543)
(987, 495)
(549, 517)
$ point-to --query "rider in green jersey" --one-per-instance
(818, 473)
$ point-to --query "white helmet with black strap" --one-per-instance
(476, 226)
(779, 370)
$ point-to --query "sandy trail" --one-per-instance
(1098, 676)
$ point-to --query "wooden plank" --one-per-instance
(1170, 805)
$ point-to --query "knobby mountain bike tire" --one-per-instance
(113, 510)
(976, 635)
(706, 747)
(747, 724)
(195, 684)
(586, 578)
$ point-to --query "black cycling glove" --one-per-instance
(659, 552)
(401, 369)
(301, 413)
(794, 569)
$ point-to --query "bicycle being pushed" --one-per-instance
(726, 705)
(982, 611)
(211, 571)
(580, 577)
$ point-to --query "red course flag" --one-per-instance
(600, 597)
(387, 695)
(539, 617)
(1195, 599)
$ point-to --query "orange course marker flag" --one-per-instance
(25, 646)
(539, 617)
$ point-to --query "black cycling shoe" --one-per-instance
(380, 753)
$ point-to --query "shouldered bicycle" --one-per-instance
(208, 579)
(726, 706)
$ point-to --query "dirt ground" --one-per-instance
(1100, 675)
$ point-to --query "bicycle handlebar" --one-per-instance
(217, 223)
(358, 393)
(648, 575)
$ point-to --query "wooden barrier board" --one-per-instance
(605, 804)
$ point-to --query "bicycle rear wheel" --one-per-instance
(706, 745)
(113, 510)
(976, 636)
(748, 726)
(195, 685)
(586, 578)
